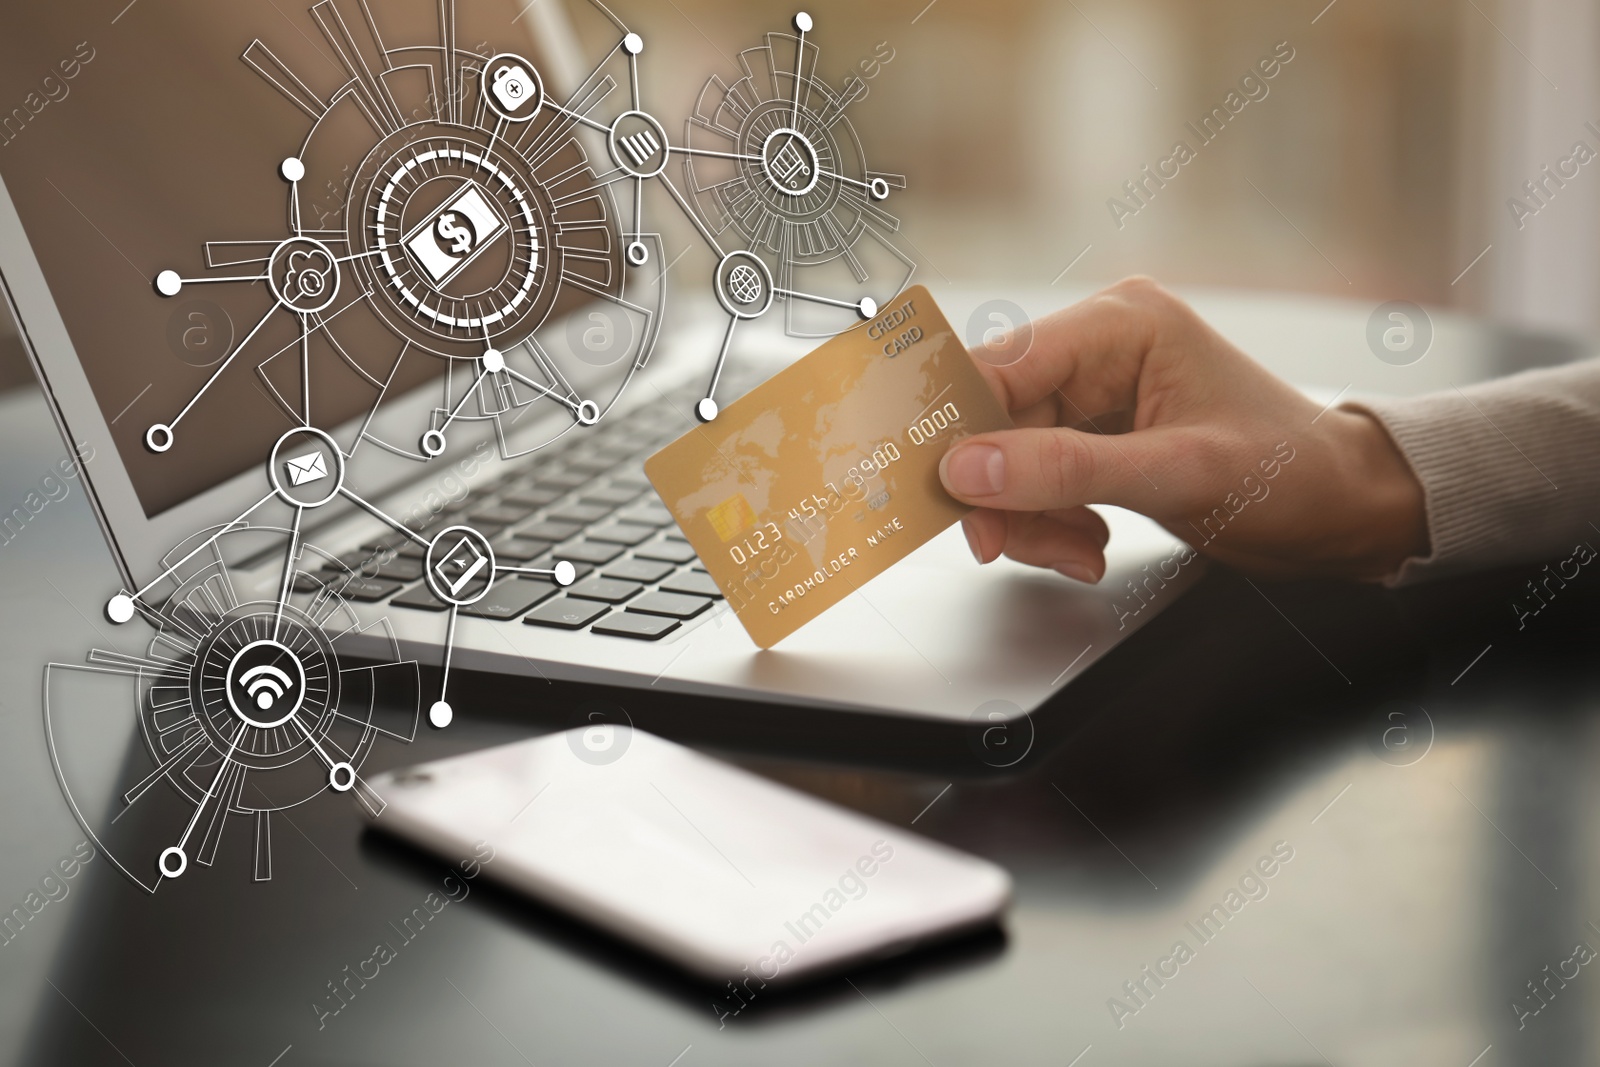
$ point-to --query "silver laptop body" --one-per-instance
(935, 638)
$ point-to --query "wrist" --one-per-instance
(1387, 503)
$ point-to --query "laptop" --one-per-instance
(167, 140)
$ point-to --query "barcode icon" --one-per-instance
(641, 146)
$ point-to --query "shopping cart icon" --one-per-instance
(789, 167)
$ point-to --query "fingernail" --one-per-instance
(974, 470)
(1077, 572)
(972, 542)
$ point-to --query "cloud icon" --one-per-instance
(307, 275)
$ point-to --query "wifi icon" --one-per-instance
(265, 685)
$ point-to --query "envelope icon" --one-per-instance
(310, 467)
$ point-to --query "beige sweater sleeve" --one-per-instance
(1510, 468)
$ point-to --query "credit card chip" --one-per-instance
(732, 517)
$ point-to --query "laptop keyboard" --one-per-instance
(588, 502)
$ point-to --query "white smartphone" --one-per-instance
(721, 871)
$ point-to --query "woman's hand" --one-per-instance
(1129, 398)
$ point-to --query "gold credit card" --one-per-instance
(827, 474)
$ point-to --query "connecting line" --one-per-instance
(543, 572)
(843, 178)
(203, 545)
(213, 786)
(498, 126)
(294, 206)
(473, 388)
(288, 570)
(722, 358)
(633, 76)
(687, 210)
(545, 389)
(585, 119)
(305, 369)
(719, 155)
(799, 63)
(393, 524)
(449, 646)
(329, 760)
(236, 278)
(638, 207)
(223, 366)
(358, 255)
(817, 299)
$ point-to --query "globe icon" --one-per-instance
(744, 284)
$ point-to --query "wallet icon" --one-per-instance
(464, 558)
(310, 467)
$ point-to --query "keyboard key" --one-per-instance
(632, 477)
(671, 551)
(487, 529)
(672, 605)
(563, 479)
(588, 552)
(498, 515)
(621, 533)
(399, 569)
(519, 549)
(608, 590)
(426, 524)
(651, 514)
(638, 570)
(545, 530)
(565, 613)
(401, 546)
(612, 495)
(591, 464)
(388, 563)
(421, 598)
(632, 624)
(584, 513)
(510, 598)
(694, 583)
(531, 496)
(381, 563)
(350, 587)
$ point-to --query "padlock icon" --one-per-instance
(512, 86)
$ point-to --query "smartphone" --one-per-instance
(718, 870)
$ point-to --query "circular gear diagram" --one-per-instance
(246, 708)
(473, 211)
(774, 159)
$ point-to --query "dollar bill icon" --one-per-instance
(453, 235)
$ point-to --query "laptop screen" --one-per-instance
(155, 140)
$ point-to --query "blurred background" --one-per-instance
(1382, 162)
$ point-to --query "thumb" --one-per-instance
(1046, 468)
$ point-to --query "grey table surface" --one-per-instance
(1429, 767)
